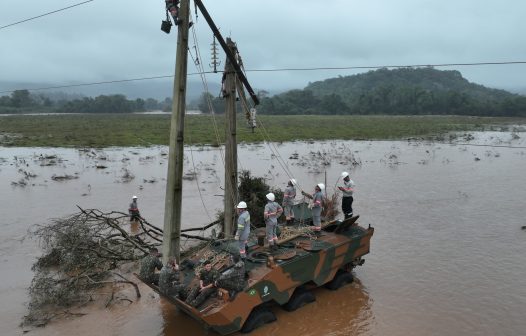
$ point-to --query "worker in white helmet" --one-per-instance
(271, 214)
(288, 201)
(243, 228)
(317, 205)
(347, 191)
(133, 210)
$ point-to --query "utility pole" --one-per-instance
(174, 183)
(230, 143)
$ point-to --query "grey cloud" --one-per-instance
(107, 40)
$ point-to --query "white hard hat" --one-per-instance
(242, 205)
(271, 197)
(345, 174)
(134, 197)
(293, 181)
(321, 186)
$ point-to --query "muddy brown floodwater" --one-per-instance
(447, 258)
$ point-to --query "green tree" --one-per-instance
(140, 105)
(152, 104)
(21, 98)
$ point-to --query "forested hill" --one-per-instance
(399, 91)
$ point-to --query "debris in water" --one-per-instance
(20, 183)
(63, 177)
(127, 176)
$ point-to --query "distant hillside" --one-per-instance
(426, 79)
(399, 91)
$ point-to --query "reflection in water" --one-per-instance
(446, 257)
(177, 323)
(347, 311)
(134, 227)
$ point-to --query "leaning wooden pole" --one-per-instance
(174, 183)
(230, 143)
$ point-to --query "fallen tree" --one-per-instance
(81, 255)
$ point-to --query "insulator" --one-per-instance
(252, 121)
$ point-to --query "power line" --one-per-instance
(276, 70)
(388, 66)
(39, 16)
(93, 83)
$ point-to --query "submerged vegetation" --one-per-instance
(103, 130)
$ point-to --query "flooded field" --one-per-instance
(447, 255)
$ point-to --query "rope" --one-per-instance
(211, 108)
(266, 137)
(196, 179)
(280, 159)
(201, 73)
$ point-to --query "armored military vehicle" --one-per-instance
(285, 276)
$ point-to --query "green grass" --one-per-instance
(103, 130)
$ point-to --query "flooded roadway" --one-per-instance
(447, 257)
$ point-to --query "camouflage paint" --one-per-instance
(316, 263)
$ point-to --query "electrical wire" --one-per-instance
(45, 14)
(200, 68)
(274, 70)
(388, 66)
(90, 84)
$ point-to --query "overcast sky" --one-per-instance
(118, 39)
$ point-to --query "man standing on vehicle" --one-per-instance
(347, 191)
(272, 212)
(288, 201)
(317, 205)
(243, 228)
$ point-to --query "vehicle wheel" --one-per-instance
(258, 317)
(340, 279)
(299, 298)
